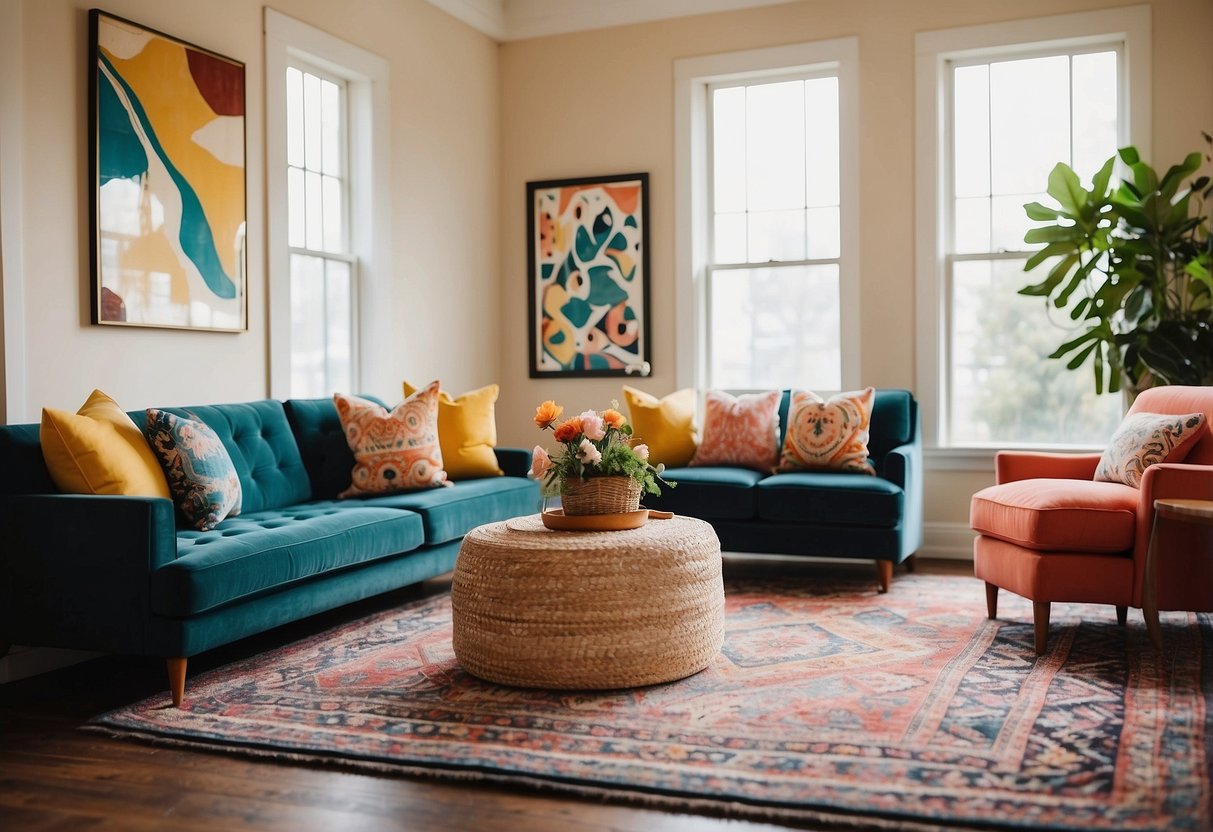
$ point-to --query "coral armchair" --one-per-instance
(1048, 531)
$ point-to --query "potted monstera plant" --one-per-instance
(1130, 263)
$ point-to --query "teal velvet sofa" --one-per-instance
(811, 513)
(126, 575)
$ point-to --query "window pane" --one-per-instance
(1095, 102)
(1004, 388)
(1009, 222)
(776, 235)
(775, 327)
(314, 197)
(294, 117)
(823, 228)
(971, 125)
(330, 128)
(1029, 122)
(296, 207)
(339, 320)
(730, 238)
(821, 142)
(728, 149)
(334, 230)
(775, 148)
(311, 121)
(307, 327)
(971, 231)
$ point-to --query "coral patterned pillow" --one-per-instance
(199, 470)
(392, 450)
(830, 435)
(741, 431)
(1145, 439)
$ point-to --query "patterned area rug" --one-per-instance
(828, 704)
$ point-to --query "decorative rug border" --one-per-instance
(826, 820)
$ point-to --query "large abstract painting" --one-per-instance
(167, 164)
(588, 271)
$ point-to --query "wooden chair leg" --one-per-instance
(911, 563)
(1040, 617)
(1122, 615)
(884, 571)
(991, 600)
(176, 679)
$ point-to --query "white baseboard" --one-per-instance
(23, 662)
(948, 541)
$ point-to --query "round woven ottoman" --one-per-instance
(533, 607)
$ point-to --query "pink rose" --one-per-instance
(541, 463)
(642, 451)
(592, 426)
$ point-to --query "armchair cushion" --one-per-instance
(1058, 515)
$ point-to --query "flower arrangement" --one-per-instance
(592, 444)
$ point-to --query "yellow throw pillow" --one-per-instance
(666, 425)
(99, 450)
(467, 432)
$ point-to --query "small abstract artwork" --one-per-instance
(167, 146)
(588, 272)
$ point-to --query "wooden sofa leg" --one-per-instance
(1040, 617)
(176, 679)
(1122, 615)
(884, 570)
(911, 563)
(991, 600)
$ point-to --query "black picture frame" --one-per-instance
(588, 276)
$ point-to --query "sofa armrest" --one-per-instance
(77, 569)
(515, 462)
(1011, 466)
(903, 466)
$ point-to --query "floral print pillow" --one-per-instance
(200, 473)
(393, 450)
(1145, 439)
(828, 435)
(742, 431)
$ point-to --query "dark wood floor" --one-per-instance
(54, 776)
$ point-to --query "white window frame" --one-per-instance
(936, 53)
(368, 209)
(693, 77)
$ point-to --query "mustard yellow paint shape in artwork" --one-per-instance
(161, 79)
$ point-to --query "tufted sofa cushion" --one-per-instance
(831, 498)
(709, 493)
(323, 447)
(269, 550)
(263, 450)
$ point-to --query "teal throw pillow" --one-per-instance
(199, 471)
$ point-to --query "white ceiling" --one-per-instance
(505, 20)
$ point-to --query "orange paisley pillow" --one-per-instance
(392, 451)
(742, 431)
(828, 435)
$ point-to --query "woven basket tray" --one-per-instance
(538, 608)
(601, 495)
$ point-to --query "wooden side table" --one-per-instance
(1199, 512)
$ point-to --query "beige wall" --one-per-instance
(444, 156)
(603, 102)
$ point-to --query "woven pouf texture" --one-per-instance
(533, 607)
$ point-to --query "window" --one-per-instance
(772, 275)
(326, 132)
(1008, 112)
(767, 218)
(323, 274)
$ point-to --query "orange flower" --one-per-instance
(547, 414)
(569, 429)
(613, 418)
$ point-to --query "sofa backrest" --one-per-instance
(21, 461)
(326, 454)
(263, 449)
(894, 413)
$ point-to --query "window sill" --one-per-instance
(982, 459)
